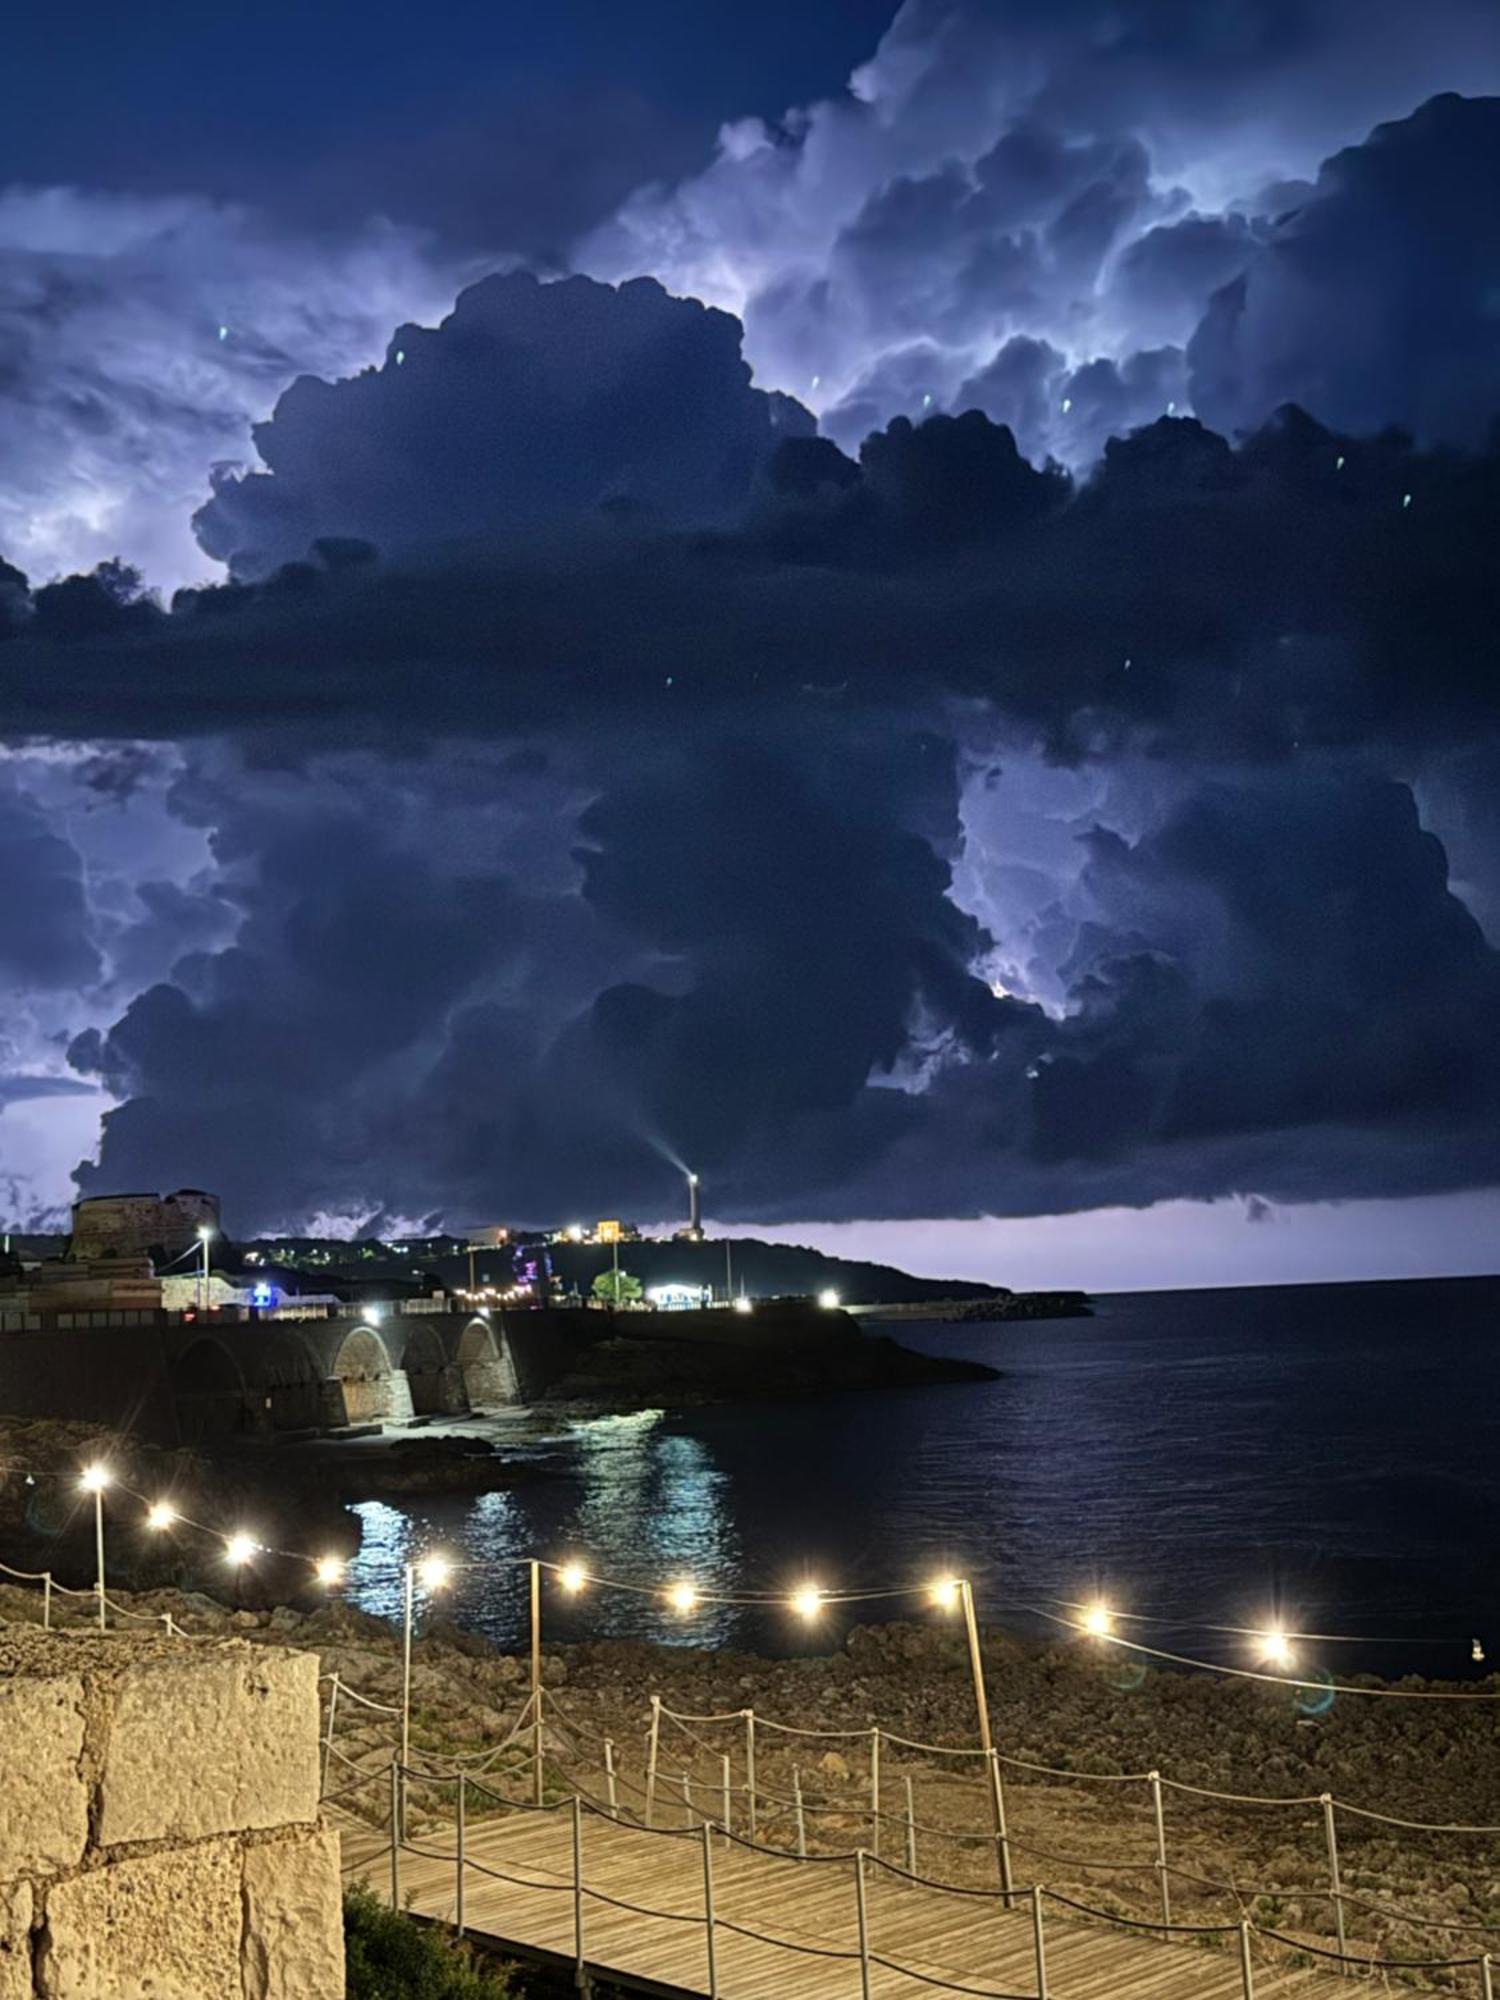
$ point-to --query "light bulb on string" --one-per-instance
(330, 1571)
(161, 1516)
(572, 1576)
(947, 1592)
(1099, 1621)
(239, 1549)
(683, 1597)
(434, 1572)
(807, 1601)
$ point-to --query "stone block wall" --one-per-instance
(159, 1830)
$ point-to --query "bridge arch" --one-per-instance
(291, 1383)
(210, 1393)
(436, 1382)
(486, 1365)
(366, 1387)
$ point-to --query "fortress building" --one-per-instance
(140, 1225)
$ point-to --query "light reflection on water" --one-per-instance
(1331, 1453)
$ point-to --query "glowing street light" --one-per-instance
(947, 1592)
(434, 1570)
(682, 1597)
(205, 1237)
(160, 1517)
(93, 1480)
(807, 1601)
(1099, 1621)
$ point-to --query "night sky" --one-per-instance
(903, 612)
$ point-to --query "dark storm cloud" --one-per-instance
(1377, 300)
(44, 927)
(585, 842)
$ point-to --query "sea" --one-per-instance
(1321, 1459)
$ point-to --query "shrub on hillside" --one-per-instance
(391, 1957)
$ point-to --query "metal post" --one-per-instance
(1039, 1943)
(47, 1600)
(750, 1768)
(333, 1703)
(406, 1688)
(578, 1887)
(982, 1708)
(536, 1683)
(875, 1791)
(911, 1829)
(1486, 1978)
(655, 1742)
(609, 1778)
(863, 1915)
(801, 1816)
(708, 1911)
(395, 1835)
(1161, 1848)
(687, 1798)
(99, 1551)
(1330, 1835)
(727, 1770)
(458, 1887)
(1247, 1970)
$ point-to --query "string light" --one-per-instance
(95, 1478)
(161, 1516)
(572, 1576)
(947, 1592)
(1099, 1621)
(807, 1602)
(239, 1549)
(330, 1570)
(1276, 1648)
(434, 1572)
(682, 1597)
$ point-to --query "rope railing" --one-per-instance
(588, 1893)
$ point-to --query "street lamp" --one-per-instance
(434, 1571)
(948, 1592)
(94, 1480)
(205, 1237)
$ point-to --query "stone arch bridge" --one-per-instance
(235, 1376)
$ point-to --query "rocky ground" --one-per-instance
(1086, 1712)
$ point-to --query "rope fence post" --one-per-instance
(875, 1791)
(537, 1780)
(333, 1703)
(708, 1912)
(578, 1890)
(654, 1744)
(1002, 1836)
(862, 1916)
(1161, 1849)
(1486, 1978)
(727, 1776)
(1331, 1838)
(395, 1834)
(687, 1798)
(609, 1778)
(458, 1886)
(46, 1600)
(750, 1768)
(801, 1816)
(1247, 1969)
(911, 1829)
(1038, 1940)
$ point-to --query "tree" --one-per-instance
(391, 1957)
(618, 1288)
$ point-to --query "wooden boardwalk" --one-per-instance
(805, 1913)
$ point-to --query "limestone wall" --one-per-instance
(159, 1831)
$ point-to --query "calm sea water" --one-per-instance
(1329, 1455)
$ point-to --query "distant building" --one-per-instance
(612, 1230)
(138, 1225)
(124, 1285)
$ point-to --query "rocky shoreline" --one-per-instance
(1083, 1712)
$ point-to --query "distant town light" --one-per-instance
(239, 1549)
(744, 1305)
(682, 1597)
(1098, 1621)
(807, 1602)
(161, 1516)
(434, 1572)
(575, 1232)
(947, 1592)
(572, 1577)
(828, 1299)
(330, 1570)
(95, 1478)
